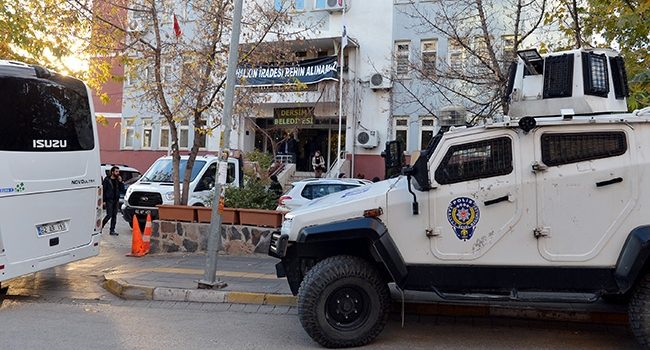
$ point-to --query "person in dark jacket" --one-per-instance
(289, 146)
(112, 187)
(275, 187)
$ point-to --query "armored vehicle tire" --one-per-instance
(639, 311)
(343, 302)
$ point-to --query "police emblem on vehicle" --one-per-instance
(463, 215)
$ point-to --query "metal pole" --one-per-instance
(338, 148)
(209, 280)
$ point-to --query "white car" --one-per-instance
(304, 191)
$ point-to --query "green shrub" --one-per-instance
(262, 158)
(254, 195)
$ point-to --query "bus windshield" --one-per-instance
(39, 115)
(161, 170)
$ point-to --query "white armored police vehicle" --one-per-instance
(550, 204)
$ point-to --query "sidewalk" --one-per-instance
(252, 280)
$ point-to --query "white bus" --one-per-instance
(50, 187)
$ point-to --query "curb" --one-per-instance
(128, 291)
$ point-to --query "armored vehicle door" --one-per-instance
(585, 188)
(477, 198)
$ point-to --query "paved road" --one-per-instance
(154, 325)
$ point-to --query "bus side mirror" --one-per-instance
(393, 156)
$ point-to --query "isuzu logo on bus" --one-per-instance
(50, 143)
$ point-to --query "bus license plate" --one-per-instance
(52, 228)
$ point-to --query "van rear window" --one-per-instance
(44, 115)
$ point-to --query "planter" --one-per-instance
(177, 213)
(230, 215)
(259, 217)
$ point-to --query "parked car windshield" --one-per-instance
(161, 170)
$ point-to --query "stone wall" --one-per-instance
(172, 236)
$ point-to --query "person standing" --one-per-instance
(112, 186)
(275, 188)
(289, 146)
(318, 163)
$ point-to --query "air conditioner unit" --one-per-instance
(333, 5)
(452, 116)
(367, 138)
(378, 82)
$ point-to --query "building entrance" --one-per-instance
(322, 136)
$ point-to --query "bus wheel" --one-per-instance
(3, 290)
(343, 302)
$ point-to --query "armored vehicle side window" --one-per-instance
(566, 148)
(558, 76)
(475, 160)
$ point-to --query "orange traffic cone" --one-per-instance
(146, 239)
(136, 239)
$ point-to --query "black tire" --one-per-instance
(343, 302)
(639, 311)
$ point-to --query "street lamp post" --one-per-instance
(209, 279)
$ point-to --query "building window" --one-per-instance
(201, 132)
(147, 131)
(148, 74)
(289, 4)
(508, 53)
(457, 55)
(401, 127)
(402, 58)
(167, 73)
(128, 129)
(482, 59)
(427, 128)
(183, 134)
(429, 55)
(163, 141)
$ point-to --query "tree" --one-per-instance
(41, 32)
(621, 24)
(483, 37)
(626, 24)
(176, 53)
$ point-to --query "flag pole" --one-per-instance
(343, 34)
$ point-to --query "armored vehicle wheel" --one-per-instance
(343, 302)
(639, 311)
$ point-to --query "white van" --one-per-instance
(50, 184)
(156, 186)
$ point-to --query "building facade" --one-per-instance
(384, 94)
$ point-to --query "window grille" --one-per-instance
(567, 148)
(558, 76)
(619, 77)
(595, 75)
(476, 160)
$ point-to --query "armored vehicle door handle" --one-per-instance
(609, 182)
(496, 200)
